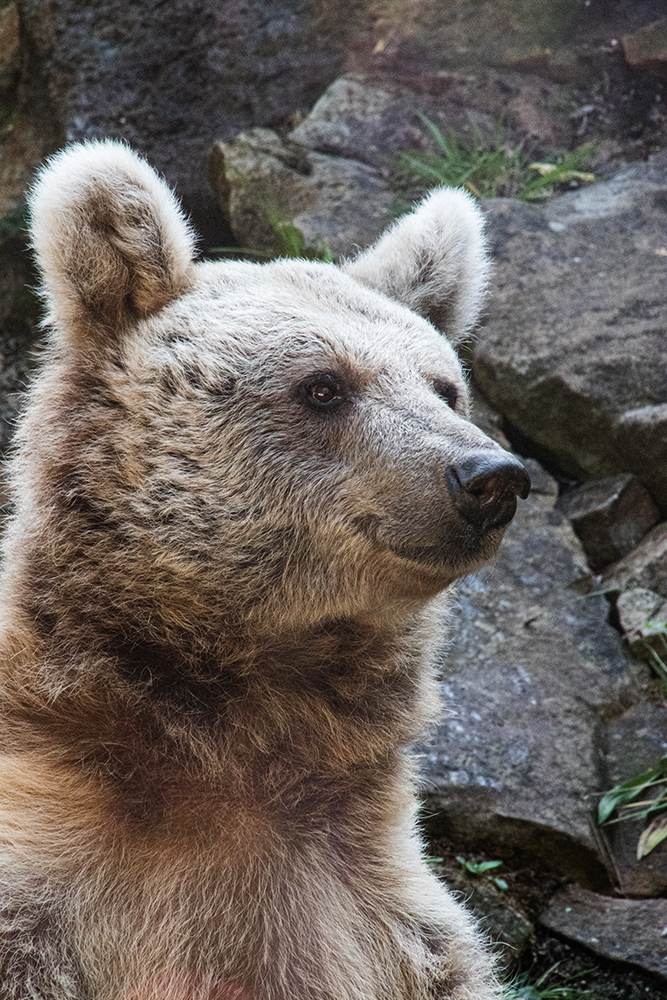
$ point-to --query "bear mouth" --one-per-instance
(456, 556)
(461, 549)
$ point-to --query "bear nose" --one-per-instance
(484, 487)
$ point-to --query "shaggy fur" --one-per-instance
(220, 604)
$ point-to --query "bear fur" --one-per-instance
(222, 593)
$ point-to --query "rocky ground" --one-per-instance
(551, 670)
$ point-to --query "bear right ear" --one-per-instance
(111, 241)
(433, 261)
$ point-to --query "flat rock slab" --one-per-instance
(529, 670)
(573, 353)
(627, 930)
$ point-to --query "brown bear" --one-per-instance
(241, 492)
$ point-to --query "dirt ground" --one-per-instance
(528, 892)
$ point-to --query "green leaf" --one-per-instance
(478, 867)
(628, 790)
(485, 866)
(561, 173)
(653, 835)
(500, 883)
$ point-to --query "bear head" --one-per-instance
(219, 442)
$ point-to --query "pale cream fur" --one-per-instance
(432, 262)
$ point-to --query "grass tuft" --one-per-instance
(522, 989)
(493, 169)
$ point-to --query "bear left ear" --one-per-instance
(111, 241)
(433, 261)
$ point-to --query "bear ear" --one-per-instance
(433, 261)
(111, 241)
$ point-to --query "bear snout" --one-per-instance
(484, 488)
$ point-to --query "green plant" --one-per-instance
(482, 868)
(622, 799)
(522, 989)
(486, 169)
(551, 174)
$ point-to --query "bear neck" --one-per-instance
(340, 699)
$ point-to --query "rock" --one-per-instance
(579, 289)
(645, 566)
(371, 117)
(643, 617)
(359, 120)
(629, 189)
(173, 77)
(563, 45)
(647, 47)
(529, 669)
(542, 484)
(610, 516)
(635, 741)
(339, 202)
(508, 929)
(626, 930)
(10, 46)
(468, 33)
(642, 433)
(632, 744)
(489, 421)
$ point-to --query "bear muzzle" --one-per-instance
(484, 488)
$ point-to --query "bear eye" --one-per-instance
(447, 391)
(322, 391)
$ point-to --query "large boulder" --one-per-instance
(173, 77)
(573, 353)
(531, 670)
(610, 517)
(266, 185)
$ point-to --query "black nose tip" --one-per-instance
(485, 485)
